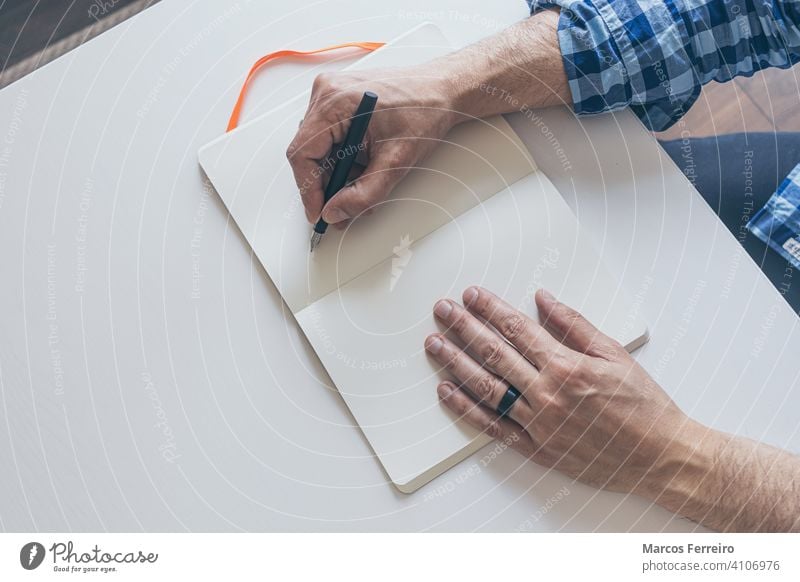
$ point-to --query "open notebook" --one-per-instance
(477, 211)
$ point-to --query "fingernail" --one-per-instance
(434, 345)
(335, 215)
(470, 295)
(443, 309)
(445, 389)
(547, 296)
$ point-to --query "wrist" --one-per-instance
(433, 86)
(518, 68)
(687, 462)
(455, 86)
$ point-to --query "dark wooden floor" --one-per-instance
(30, 26)
(767, 101)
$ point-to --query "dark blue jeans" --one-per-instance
(720, 169)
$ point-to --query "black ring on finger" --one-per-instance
(507, 401)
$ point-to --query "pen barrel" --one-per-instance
(321, 226)
(348, 151)
(345, 158)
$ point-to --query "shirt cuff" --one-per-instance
(617, 53)
(778, 222)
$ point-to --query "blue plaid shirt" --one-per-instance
(655, 55)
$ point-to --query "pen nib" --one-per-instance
(315, 238)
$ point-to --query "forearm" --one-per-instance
(518, 68)
(730, 483)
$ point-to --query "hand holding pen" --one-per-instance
(345, 156)
(412, 116)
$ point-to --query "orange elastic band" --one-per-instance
(237, 109)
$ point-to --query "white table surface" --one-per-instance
(150, 376)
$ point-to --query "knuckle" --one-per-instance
(492, 353)
(458, 405)
(484, 304)
(613, 349)
(462, 407)
(450, 359)
(568, 315)
(322, 82)
(484, 387)
(355, 199)
(581, 369)
(459, 324)
(403, 153)
(390, 162)
(369, 198)
(290, 150)
(559, 366)
(602, 350)
(512, 326)
(495, 429)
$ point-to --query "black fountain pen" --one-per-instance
(345, 156)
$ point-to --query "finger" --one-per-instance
(482, 384)
(357, 170)
(373, 185)
(309, 145)
(488, 348)
(531, 339)
(498, 428)
(573, 329)
(309, 153)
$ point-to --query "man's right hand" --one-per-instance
(519, 67)
(414, 111)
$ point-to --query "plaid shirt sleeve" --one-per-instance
(655, 55)
(778, 222)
